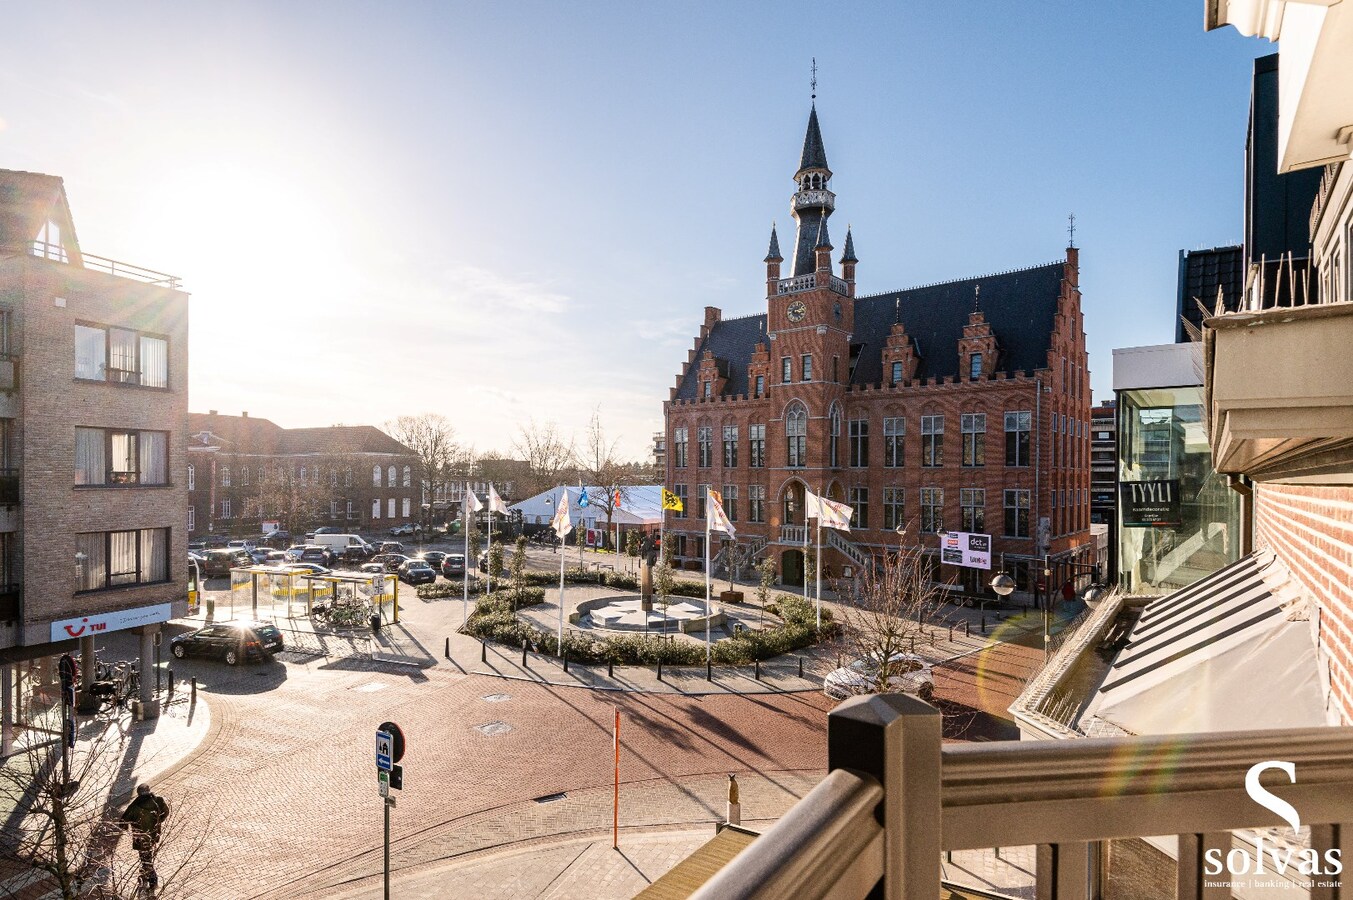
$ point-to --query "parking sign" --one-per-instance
(384, 751)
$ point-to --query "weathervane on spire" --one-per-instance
(813, 81)
(976, 296)
(1071, 230)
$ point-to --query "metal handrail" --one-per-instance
(116, 267)
(828, 845)
(1062, 796)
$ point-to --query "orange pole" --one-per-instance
(615, 818)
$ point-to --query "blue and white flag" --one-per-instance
(582, 497)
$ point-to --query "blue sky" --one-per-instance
(510, 211)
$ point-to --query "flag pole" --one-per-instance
(465, 569)
(818, 568)
(805, 550)
(488, 554)
(709, 613)
(563, 498)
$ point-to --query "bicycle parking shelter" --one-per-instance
(268, 589)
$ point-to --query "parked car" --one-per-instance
(310, 553)
(308, 568)
(416, 571)
(218, 563)
(453, 566)
(275, 558)
(246, 546)
(231, 641)
(432, 557)
(390, 547)
(907, 674)
(372, 568)
(323, 529)
(407, 528)
(260, 555)
(390, 562)
(278, 540)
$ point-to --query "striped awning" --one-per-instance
(1230, 652)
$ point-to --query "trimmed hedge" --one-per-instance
(441, 590)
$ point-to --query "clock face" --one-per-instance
(797, 311)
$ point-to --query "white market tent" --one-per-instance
(640, 506)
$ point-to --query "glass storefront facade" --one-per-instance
(1177, 519)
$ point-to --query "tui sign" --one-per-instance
(1149, 504)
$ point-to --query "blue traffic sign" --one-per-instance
(384, 751)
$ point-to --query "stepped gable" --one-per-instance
(732, 341)
(1020, 306)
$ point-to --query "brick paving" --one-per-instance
(284, 784)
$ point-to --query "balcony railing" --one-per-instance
(801, 283)
(793, 534)
(111, 266)
(896, 798)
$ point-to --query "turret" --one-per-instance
(848, 262)
(822, 252)
(773, 260)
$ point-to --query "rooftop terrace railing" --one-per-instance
(111, 266)
(896, 798)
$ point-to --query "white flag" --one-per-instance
(718, 519)
(471, 503)
(496, 504)
(828, 512)
(561, 523)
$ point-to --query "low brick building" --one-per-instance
(244, 471)
(963, 405)
(93, 415)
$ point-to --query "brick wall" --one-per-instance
(1311, 528)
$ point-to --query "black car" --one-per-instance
(432, 557)
(278, 540)
(231, 641)
(218, 563)
(416, 571)
(390, 561)
(390, 547)
(453, 566)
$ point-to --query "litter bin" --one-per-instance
(376, 622)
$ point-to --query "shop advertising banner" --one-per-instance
(963, 548)
(102, 623)
(1149, 504)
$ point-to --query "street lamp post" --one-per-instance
(1047, 610)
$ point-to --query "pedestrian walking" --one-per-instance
(145, 816)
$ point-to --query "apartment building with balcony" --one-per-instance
(93, 415)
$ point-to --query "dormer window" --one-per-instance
(709, 389)
(975, 366)
(47, 243)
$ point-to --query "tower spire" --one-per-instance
(849, 255)
(813, 201)
(773, 254)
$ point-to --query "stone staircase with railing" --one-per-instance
(846, 547)
(738, 558)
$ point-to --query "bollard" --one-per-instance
(171, 685)
(193, 699)
(984, 623)
(448, 646)
(967, 632)
(157, 681)
(483, 651)
(951, 632)
(660, 669)
(998, 852)
(610, 668)
(565, 659)
(800, 666)
(523, 653)
(709, 670)
(838, 660)
(913, 644)
(757, 673)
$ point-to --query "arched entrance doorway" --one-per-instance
(791, 567)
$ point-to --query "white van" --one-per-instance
(341, 544)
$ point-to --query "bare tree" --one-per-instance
(68, 830)
(296, 493)
(889, 604)
(549, 457)
(598, 465)
(441, 459)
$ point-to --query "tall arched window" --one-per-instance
(375, 476)
(192, 478)
(225, 476)
(390, 478)
(408, 477)
(796, 435)
(834, 444)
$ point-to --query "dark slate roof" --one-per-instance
(824, 238)
(849, 255)
(733, 341)
(814, 153)
(27, 201)
(773, 254)
(1020, 306)
(1201, 272)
